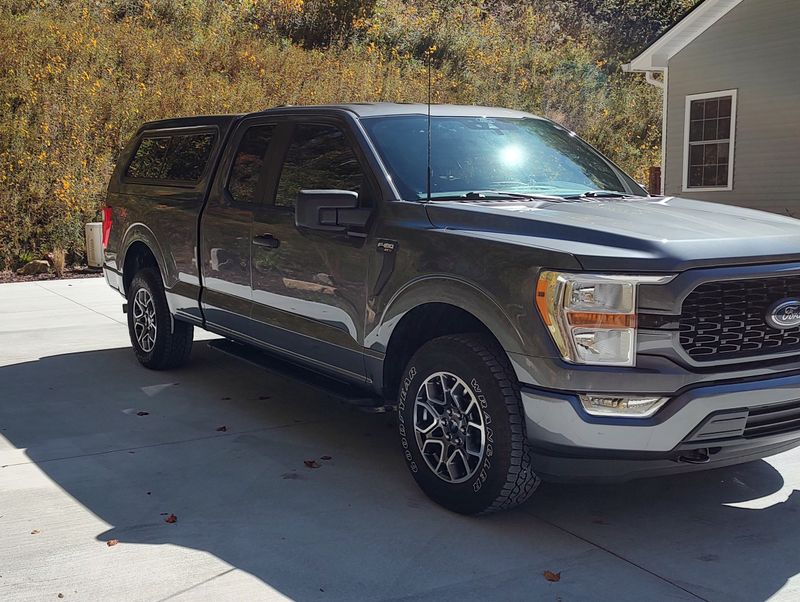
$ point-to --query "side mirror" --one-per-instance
(331, 210)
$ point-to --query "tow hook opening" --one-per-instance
(696, 456)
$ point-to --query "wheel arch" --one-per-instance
(141, 249)
(432, 309)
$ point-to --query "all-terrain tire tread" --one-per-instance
(521, 481)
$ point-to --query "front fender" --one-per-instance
(451, 291)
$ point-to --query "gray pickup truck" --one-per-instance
(530, 311)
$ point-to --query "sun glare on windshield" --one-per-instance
(512, 156)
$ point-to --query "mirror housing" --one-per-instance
(330, 210)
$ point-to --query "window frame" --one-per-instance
(171, 133)
(687, 145)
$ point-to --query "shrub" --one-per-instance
(58, 259)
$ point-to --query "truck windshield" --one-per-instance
(520, 155)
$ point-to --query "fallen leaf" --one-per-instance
(311, 463)
(226, 399)
(327, 458)
(60, 595)
(112, 542)
(142, 413)
(164, 513)
(35, 532)
(551, 576)
(171, 519)
(222, 429)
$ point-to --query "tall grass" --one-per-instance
(78, 77)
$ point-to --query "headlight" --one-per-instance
(592, 317)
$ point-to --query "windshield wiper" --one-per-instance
(488, 195)
(599, 194)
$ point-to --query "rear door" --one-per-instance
(226, 227)
(309, 291)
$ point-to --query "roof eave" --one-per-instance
(656, 56)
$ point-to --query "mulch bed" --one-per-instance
(9, 276)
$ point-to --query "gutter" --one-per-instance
(649, 75)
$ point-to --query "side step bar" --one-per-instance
(340, 391)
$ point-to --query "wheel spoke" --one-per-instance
(432, 415)
(442, 450)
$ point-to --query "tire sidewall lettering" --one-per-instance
(401, 406)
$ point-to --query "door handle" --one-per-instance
(266, 240)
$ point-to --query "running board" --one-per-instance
(340, 391)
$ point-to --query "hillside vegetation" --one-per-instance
(78, 77)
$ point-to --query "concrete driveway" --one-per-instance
(94, 448)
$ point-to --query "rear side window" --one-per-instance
(248, 164)
(319, 157)
(179, 158)
(148, 162)
(188, 156)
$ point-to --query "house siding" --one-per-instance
(754, 49)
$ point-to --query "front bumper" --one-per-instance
(728, 423)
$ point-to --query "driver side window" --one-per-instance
(319, 157)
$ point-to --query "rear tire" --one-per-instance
(159, 342)
(462, 427)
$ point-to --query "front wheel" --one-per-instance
(462, 427)
(158, 341)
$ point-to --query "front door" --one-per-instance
(226, 228)
(309, 291)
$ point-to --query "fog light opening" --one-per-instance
(631, 406)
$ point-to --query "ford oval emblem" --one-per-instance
(784, 314)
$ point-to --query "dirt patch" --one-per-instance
(9, 276)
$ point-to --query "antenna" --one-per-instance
(430, 57)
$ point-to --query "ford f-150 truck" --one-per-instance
(528, 308)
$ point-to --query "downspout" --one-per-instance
(661, 84)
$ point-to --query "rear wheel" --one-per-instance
(462, 427)
(158, 341)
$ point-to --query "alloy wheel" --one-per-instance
(449, 427)
(144, 320)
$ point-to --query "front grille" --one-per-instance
(773, 420)
(726, 320)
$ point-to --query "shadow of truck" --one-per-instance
(357, 527)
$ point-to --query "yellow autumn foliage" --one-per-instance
(78, 77)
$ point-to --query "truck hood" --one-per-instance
(643, 233)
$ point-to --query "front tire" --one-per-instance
(159, 342)
(462, 428)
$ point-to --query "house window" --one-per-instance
(709, 139)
